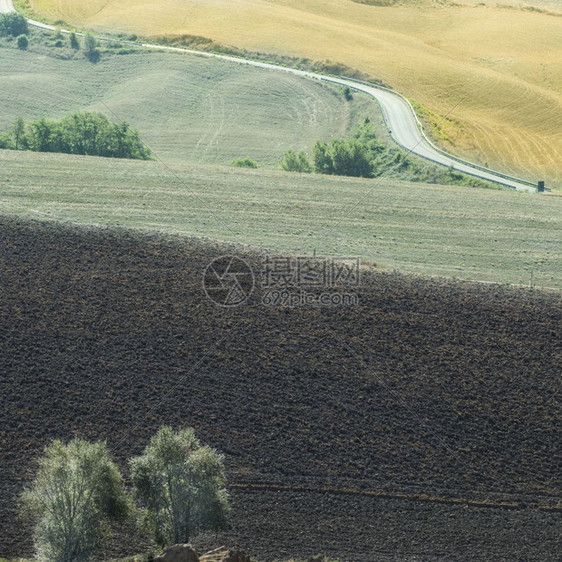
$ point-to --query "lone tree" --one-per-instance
(180, 487)
(23, 42)
(19, 134)
(91, 48)
(76, 493)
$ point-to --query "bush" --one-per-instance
(91, 51)
(23, 43)
(13, 24)
(244, 163)
(347, 93)
(6, 141)
(74, 41)
(179, 487)
(76, 494)
(19, 134)
(293, 162)
(363, 155)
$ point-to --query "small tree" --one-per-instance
(74, 41)
(6, 141)
(91, 48)
(323, 163)
(76, 493)
(19, 134)
(13, 24)
(179, 486)
(23, 42)
(347, 93)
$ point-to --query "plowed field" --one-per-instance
(421, 424)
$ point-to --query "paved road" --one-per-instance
(6, 6)
(399, 115)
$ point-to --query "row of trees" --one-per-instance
(363, 155)
(82, 133)
(178, 490)
(357, 156)
(15, 25)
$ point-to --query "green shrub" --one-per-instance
(23, 42)
(363, 155)
(244, 163)
(74, 41)
(82, 133)
(6, 141)
(293, 162)
(347, 93)
(91, 51)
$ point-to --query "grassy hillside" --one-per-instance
(187, 108)
(333, 420)
(492, 68)
(492, 235)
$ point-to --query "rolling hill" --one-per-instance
(187, 108)
(488, 73)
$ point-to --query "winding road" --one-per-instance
(399, 115)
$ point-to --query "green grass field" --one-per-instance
(187, 108)
(469, 233)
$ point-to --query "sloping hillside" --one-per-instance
(186, 108)
(422, 422)
(490, 70)
(453, 231)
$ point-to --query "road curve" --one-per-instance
(399, 115)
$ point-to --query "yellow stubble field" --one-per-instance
(495, 71)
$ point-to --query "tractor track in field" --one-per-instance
(517, 504)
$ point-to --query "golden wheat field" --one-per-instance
(493, 70)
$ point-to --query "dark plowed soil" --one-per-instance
(440, 397)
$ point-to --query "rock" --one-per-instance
(178, 553)
(222, 554)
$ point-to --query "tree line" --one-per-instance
(85, 133)
(364, 155)
(77, 495)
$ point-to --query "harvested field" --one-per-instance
(489, 71)
(421, 424)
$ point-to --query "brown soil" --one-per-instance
(421, 424)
